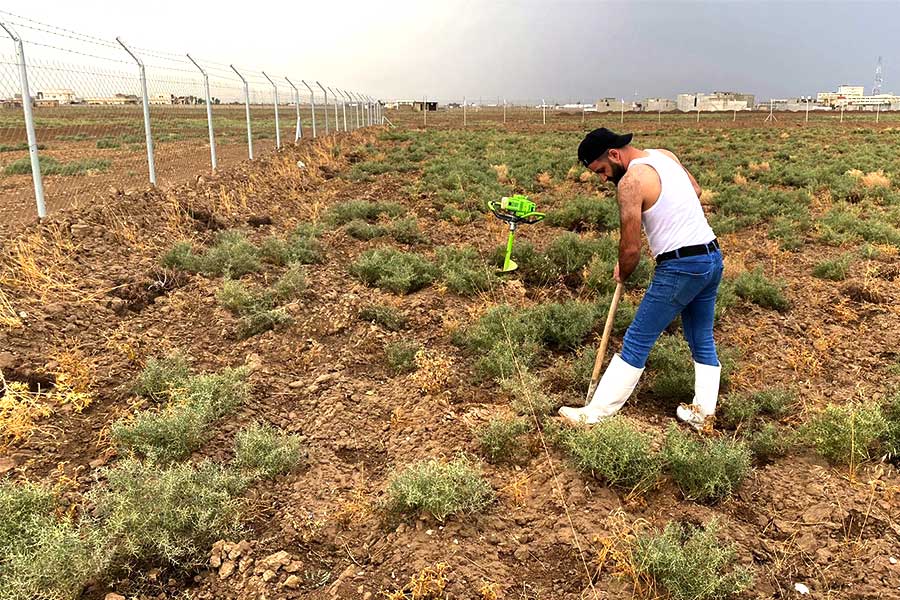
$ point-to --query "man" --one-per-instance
(654, 189)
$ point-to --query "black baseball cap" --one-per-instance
(599, 141)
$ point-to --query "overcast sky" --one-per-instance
(561, 50)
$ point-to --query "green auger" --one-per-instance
(514, 210)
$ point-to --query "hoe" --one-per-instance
(514, 210)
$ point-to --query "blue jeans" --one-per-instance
(685, 286)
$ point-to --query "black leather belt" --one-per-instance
(689, 251)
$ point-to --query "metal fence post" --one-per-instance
(29, 124)
(337, 121)
(150, 161)
(356, 106)
(465, 121)
(424, 111)
(344, 97)
(544, 110)
(247, 105)
(212, 136)
(326, 106)
(504, 111)
(277, 126)
(312, 103)
(372, 109)
(298, 132)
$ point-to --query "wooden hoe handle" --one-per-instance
(604, 341)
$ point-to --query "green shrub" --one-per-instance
(256, 311)
(463, 271)
(387, 316)
(51, 166)
(583, 213)
(847, 434)
(343, 213)
(291, 284)
(614, 451)
(107, 143)
(439, 488)
(528, 396)
(769, 442)
(406, 231)
(267, 451)
(181, 427)
(743, 409)
(45, 554)
(600, 274)
(456, 215)
(503, 341)
(725, 298)
(257, 322)
(302, 246)
(160, 375)
(237, 298)
(835, 270)
(534, 267)
(563, 325)
(705, 470)
(570, 254)
(395, 271)
(401, 356)
(231, 253)
(690, 563)
(755, 287)
(501, 440)
(790, 233)
(361, 230)
(18, 147)
(892, 434)
(182, 256)
(172, 513)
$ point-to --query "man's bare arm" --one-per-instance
(691, 177)
(630, 197)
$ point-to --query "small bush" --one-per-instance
(257, 322)
(160, 375)
(755, 287)
(361, 230)
(463, 271)
(174, 432)
(439, 488)
(267, 451)
(51, 166)
(256, 311)
(690, 563)
(45, 554)
(18, 147)
(345, 212)
(406, 231)
(672, 369)
(398, 272)
(583, 213)
(847, 434)
(614, 451)
(500, 440)
(504, 342)
(401, 356)
(835, 270)
(563, 326)
(769, 442)
(291, 284)
(892, 435)
(182, 256)
(302, 246)
(237, 298)
(108, 143)
(387, 316)
(725, 299)
(231, 253)
(705, 470)
(528, 396)
(173, 513)
(457, 216)
(743, 409)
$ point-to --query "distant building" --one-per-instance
(716, 101)
(60, 96)
(659, 104)
(118, 99)
(852, 97)
(161, 99)
(614, 105)
(429, 106)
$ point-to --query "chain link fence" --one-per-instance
(98, 114)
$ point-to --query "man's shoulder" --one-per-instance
(668, 153)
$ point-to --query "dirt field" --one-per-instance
(88, 284)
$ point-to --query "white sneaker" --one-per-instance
(613, 389)
(706, 394)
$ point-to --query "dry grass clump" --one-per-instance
(439, 488)
(872, 179)
(502, 172)
(758, 167)
(428, 584)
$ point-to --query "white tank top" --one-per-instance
(677, 218)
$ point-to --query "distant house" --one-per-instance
(60, 96)
(429, 106)
(117, 100)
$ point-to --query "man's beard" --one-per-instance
(618, 172)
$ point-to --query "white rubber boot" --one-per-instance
(612, 391)
(706, 394)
